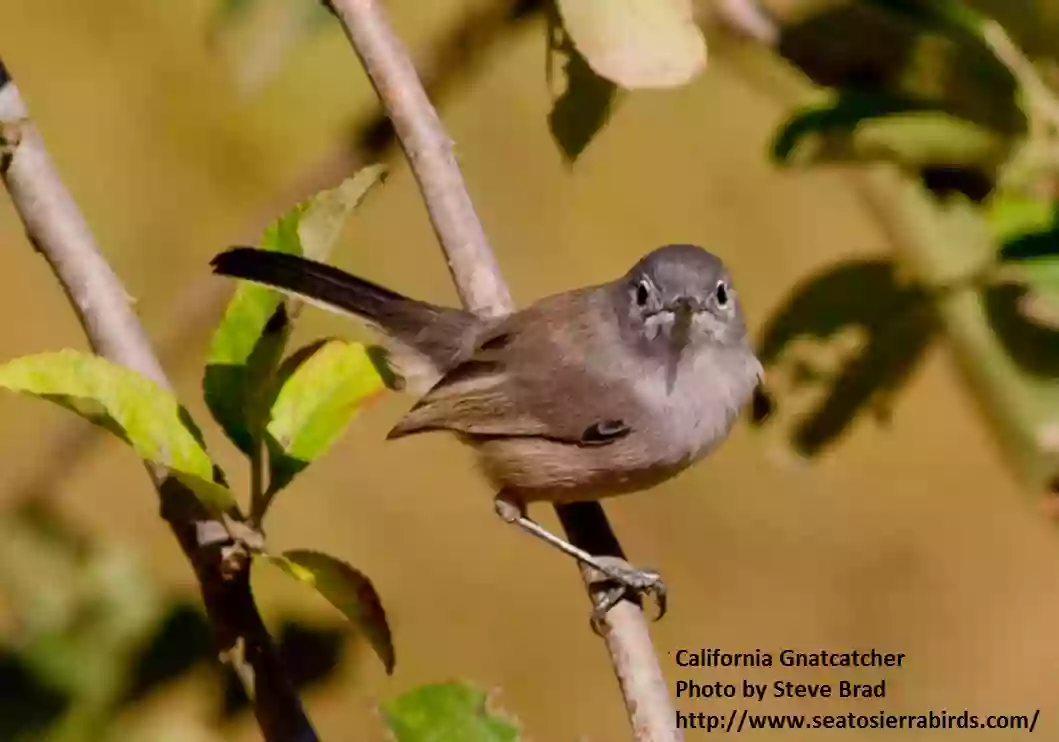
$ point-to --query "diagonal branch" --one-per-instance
(57, 229)
(483, 290)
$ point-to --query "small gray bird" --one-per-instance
(582, 395)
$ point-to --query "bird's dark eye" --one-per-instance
(643, 292)
(721, 293)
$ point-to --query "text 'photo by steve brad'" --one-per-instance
(508, 370)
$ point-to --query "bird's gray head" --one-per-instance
(679, 296)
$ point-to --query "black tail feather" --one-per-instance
(313, 280)
(434, 331)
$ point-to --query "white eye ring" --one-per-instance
(643, 292)
(721, 294)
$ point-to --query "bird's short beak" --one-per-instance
(683, 311)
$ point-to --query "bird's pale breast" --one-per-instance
(670, 430)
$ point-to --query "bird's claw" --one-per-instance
(614, 578)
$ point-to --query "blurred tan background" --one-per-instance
(907, 537)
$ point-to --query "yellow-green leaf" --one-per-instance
(246, 348)
(637, 43)
(1034, 259)
(251, 338)
(131, 406)
(446, 712)
(1011, 216)
(213, 495)
(323, 386)
(348, 590)
(325, 214)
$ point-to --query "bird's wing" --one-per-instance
(529, 376)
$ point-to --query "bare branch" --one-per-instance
(483, 290)
(59, 232)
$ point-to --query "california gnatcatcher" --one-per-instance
(582, 395)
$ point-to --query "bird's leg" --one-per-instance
(613, 569)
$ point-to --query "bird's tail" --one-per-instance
(315, 283)
(438, 334)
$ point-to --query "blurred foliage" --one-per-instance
(943, 94)
(895, 327)
(928, 55)
(1031, 250)
(447, 712)
(291, 410)
(93, 636)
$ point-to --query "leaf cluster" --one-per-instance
(282, 411)
(940, 92)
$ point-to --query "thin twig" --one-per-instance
(57, 229)
(483, 290)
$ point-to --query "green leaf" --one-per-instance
(637, 43)
(213, 495)
(1009, 217)
(1033, 257)
(246, 348)
(325, 215)
(446, 712)
(250, 339)
(348, 590)
(1043, 275)
(322, 387)
(312, 226)
(129, 405)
